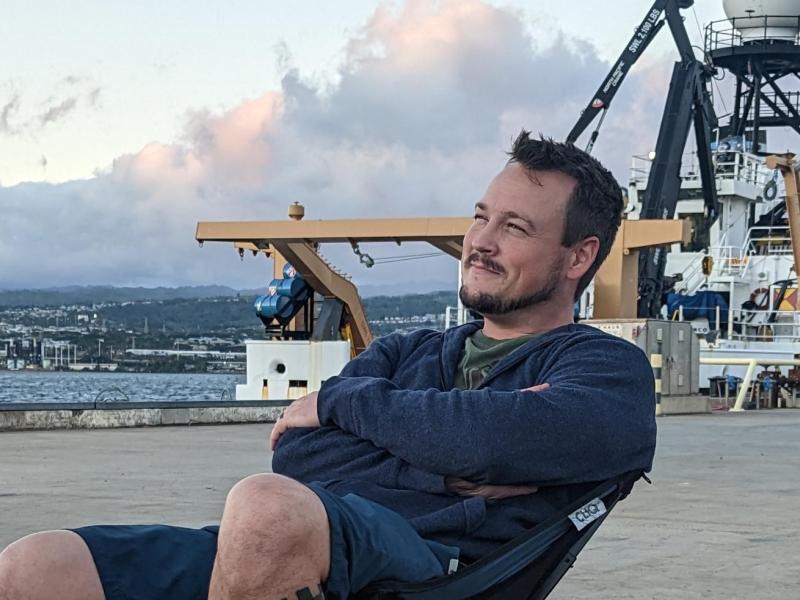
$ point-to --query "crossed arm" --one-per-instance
(595, 420)
(348, 456)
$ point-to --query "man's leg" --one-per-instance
(274, 541)
(48, 566)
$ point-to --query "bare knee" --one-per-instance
(260, 502)
(51, 564)
(276, 526)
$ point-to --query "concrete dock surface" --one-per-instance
(719, 521)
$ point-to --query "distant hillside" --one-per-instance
(99, 294)
(190, 311)
(386, 307)
(420, 286)
(102, 293)
(207, 315)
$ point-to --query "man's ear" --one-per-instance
(582, 257)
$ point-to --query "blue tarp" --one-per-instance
(701, 304)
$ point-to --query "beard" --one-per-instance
(486, 303)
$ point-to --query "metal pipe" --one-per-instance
(730, 317)
(751, 368)
(747, 361)
(748, 379)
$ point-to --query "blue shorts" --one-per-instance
(368, 543)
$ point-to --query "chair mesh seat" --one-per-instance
(526, 568)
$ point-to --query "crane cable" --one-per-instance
(707, 60)
(368, 261)
(392, 259)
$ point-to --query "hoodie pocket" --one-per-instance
(461, 518)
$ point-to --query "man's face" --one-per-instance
(513, 257)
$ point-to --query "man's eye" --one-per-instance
(516, 227)
(479, 218)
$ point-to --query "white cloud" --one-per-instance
(426, 101)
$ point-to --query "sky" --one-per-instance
(123, 124)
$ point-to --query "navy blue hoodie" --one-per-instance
(393, 427)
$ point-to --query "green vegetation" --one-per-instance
(157, 322)
(88, 295)
(101, 330)
(184, 316)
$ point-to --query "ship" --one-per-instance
(706, 240)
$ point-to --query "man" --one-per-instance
(430, 448)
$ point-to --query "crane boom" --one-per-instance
(688, 103)
(642, 36)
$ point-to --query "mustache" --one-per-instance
(484, 261)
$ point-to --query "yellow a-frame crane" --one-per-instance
(297, 240)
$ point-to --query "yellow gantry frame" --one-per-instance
(616, 285)
(296, 242)
(785, 162)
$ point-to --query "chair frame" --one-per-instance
(527, 568)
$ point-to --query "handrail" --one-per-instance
(752, 330)
(147, 404)
(100, 397)
(752, 245)
(729, 164)
(689, 276)
(756, 331)
(728, 33)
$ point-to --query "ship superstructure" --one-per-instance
(736, 279)
(730, 270)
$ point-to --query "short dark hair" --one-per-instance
(595, 206)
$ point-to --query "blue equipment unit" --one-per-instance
(700, 304)
(284, 299)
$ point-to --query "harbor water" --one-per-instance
(50, 386)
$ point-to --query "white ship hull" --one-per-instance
(751, 264)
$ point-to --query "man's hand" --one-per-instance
(462, 487)
(537, 388)
(300, 413)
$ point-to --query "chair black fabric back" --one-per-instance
(526, 568)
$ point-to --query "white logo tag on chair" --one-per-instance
(588, 513)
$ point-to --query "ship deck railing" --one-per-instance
(749, 325)
(728, 261)
(734, 261)
(761, 29)
(731, 164)
(769, 240)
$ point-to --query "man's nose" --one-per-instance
(485, 239)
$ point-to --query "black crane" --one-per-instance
(688, 102)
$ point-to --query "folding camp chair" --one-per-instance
(526, 568)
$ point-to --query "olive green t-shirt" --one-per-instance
(481, 353)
